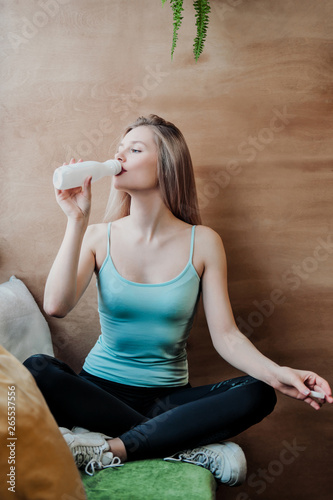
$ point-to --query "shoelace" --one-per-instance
(205, 459)
(92, 457)
(90, 467)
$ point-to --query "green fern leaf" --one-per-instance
(177, 9)
(163, 2)
(202, 9)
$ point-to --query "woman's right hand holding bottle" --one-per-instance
(75, 202)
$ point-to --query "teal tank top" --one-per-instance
(144, 327)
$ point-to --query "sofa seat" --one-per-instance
(151, 480)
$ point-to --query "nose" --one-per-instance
(120, 157)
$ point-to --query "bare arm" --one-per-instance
(70, 273)
(233, 346)
(74, 264)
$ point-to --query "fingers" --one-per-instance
(87, 186)
(320, 386)
(320, 391)
(298, 383)
(316, 404)
(306, 386)
(72, 161)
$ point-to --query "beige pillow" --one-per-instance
(35, 461)
(23, 328)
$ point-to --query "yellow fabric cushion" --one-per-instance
(35, 461)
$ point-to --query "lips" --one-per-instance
(121, 172)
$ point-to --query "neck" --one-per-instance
(148, 214)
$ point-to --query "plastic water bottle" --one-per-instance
(74, 175)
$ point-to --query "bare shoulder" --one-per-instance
(96, 230)
(209, 246)
(95, 241)
(96, 234)
(208, 239)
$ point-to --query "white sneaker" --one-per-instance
(226, 461)
(89, 449)
(81, 430)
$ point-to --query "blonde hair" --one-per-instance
(174, 171)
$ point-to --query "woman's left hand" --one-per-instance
(298, 384)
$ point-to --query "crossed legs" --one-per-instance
(180, 418)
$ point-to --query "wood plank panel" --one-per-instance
(256, 110)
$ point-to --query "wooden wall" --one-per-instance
(256, 110)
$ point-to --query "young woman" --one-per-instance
(132, 399)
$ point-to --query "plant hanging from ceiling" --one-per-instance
(202, 10)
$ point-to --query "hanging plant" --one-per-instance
(202, 10)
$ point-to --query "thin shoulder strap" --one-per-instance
(192, 243)
(109, 234)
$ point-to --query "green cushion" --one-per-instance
(151, 480)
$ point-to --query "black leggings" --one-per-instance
(151, 422)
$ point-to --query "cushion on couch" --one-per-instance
(23, 328)
(35, 461)
(151, 480)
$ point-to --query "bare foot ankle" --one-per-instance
(118, 449)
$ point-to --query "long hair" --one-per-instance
(174, 172)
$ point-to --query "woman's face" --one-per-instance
(138, 156)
